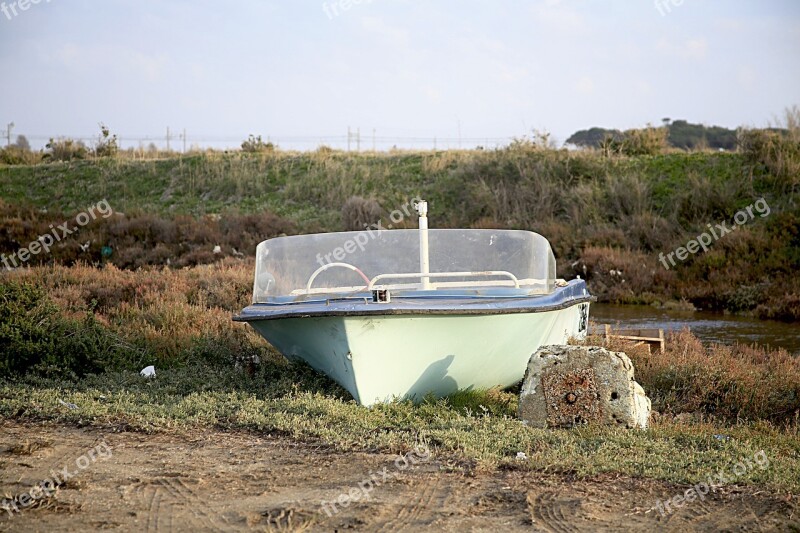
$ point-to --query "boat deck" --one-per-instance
(485, 302)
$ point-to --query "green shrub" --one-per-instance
(254, 144)
(106, 144)
(26, 327)
(35, 337)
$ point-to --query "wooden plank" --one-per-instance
(651, 336)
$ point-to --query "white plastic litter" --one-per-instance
(522, 456)
(68, 405)
(217, 249)
(149, 371)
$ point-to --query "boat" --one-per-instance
(403, 313)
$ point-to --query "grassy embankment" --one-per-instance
(607, 216)
(80, 334)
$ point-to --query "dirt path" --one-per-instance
(215, 481)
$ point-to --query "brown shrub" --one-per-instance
(487, 223)
(645, 141)
(730, 383)
(165, 313)
(358, 213)
(783, 305)
(622, 276)
(138, 240)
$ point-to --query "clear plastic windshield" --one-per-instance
(307, 267)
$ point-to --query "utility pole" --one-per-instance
(184, 140)
(348, 138)
(9, 127)
(167, 138)
(373, 139)
(358, 140)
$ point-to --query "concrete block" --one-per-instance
(566, 386)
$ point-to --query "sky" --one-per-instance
(300, 72)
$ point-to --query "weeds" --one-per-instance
(78, 321)
(719, 382)
(201, 396)
(179, 320)
(592, 208)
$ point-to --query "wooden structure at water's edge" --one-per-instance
(641, 336)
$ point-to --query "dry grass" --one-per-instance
(177, 317)
(730, 383)
(162, 317)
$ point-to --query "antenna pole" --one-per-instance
(424, 262)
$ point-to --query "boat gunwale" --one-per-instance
(398, 307)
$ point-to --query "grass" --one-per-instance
(79, 334)
(310, 188)
(602, 214)
(82, 320)
(179, 320)
(200, 396)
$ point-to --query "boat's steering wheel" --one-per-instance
(326, 266)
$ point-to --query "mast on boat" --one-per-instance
(424, 262)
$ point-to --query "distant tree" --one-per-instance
(683, 134)
(594, 137)
(22, 143)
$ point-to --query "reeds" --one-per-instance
(59, 321)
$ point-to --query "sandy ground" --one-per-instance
(217, 481)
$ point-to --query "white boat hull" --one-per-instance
(378, 358)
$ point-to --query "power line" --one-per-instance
(351, 139)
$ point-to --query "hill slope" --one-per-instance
(609, 219)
